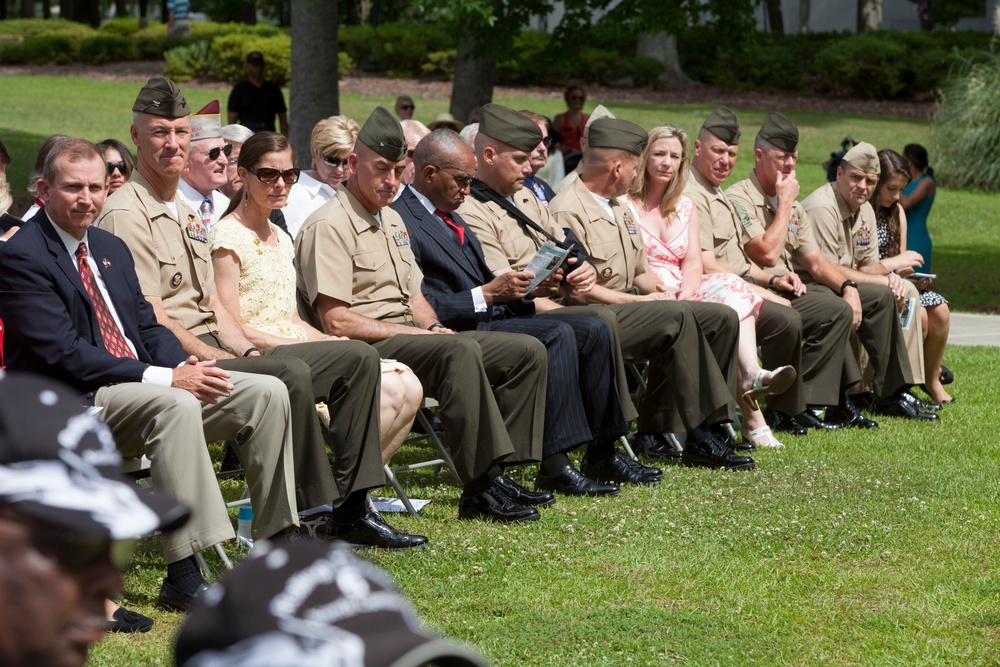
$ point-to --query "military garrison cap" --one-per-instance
(864, 157)
(383, 134)
(161, 97)
(599, 112)
(510, 127)
(618, 133)
(723, 124)
(778, 131)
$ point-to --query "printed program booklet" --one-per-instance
(544, 263)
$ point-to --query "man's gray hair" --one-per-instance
(236, 133)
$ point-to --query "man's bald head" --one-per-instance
(444, 169)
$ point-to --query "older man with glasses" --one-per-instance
(207, 166)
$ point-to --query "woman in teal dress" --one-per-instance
(917, 199)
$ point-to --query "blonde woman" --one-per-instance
(669, 223)
(332, 141)
(255, 276)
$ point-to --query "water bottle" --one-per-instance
(244, 523)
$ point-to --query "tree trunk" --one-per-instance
(248, 12)
(143, 13)
(473, 85)
(869, 15)
(315, 95)
(663, 47)
(121, 9)
(27, 9)
(46, 9)
(774, 17)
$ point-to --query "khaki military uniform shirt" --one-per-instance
(509, 244)
(343, 251)
(615, 244)
(172, 258)
(846, 238)
(723, 224)
(799, 239)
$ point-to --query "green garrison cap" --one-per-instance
(161, 97)
(383, 134)
(618, 133)
(778, 131)
(864, 157)
(510, 127)
(723, 124)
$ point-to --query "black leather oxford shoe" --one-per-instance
(809, 419)
(713, 453)
(847, 415)
(620, 469)
(781, 422)
(173, 597)
(372, 530)
(902, 408)
(919, 404)
(572, 482)
(493, 505)
(656, 446)
(521, 495)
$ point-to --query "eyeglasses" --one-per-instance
(577, 97)
(407, 107)
(215, 152)
(75, 551)
(547, 142)
(120, 166)
(334, 162)
(461, 181)
(269, 176)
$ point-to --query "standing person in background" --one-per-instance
(917, 199)
(255, 102)
(331, 143)
(569, 126)
(178, 24)
(891, 225)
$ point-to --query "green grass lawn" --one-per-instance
(855, 548)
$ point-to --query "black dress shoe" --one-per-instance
(781, 422)
(926, 406)
(173, 597)
(848, 416)
(493, 505)
(572, 482)
(808, 419)
(947, 377)
(656, 446)
(521, 495)
(863, 401)
(904, 409)
(713, 453)
(734, 446)
(128, 621)
(620, 469)
(372, 530)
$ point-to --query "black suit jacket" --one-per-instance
(449, 272)
(51, 327)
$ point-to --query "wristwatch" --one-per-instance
(847, 283)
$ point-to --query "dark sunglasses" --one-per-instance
(577, 97)
(74, 551)
(406, 107)
(270, 176)
(334, 162)
(215, 152)
(120, 166)
(461, 181)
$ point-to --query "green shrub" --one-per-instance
(229, 54)
(193, 61)
(401, 48)
(44, 27)
(58, 48)
(865, 65)
(357, 41)
(440, 64)
(121, 26)
(155, 48)
(107, 48)
(345, 64)
(966, 130)
(531, 61)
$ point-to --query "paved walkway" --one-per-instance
(971, 329)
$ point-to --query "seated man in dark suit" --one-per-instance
(72, 308)
(582, 403)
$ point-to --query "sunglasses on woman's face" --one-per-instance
(120, 166)
(213, 154)
(334, 163)
(269, 176)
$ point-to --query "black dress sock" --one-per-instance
(353, 508)
(481, 483)
(553, 464)
(600, 451)
(185, 575)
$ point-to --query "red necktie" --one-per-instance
(455, 227)
(114, 341)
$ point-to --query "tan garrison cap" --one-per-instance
(617, 133)
(599, 112)
(864, 157)
(509, 126)
(161, 97)
(383, 134)
(723, 124)
(778, 131)
(207, 122)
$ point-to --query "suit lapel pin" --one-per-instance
(106, 263)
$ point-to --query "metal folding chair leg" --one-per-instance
(400, 492)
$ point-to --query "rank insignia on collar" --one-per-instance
(401, 237)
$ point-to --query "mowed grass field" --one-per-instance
(854, 548)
